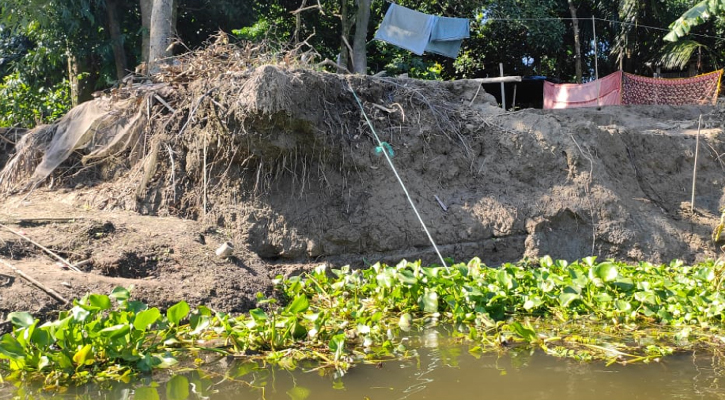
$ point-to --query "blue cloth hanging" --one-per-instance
(418, 32)
(447, 35)
(406, 28)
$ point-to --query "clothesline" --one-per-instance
(602, 20)
(636, 25)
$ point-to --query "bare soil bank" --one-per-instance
(282, 164)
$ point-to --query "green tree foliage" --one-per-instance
(524, 36)
(32, 82)
(50, 49)
(697, 15)
(68, 40)
(682, 48)
(635, 46)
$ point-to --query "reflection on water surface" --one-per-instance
(441, 370)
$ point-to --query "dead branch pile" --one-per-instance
(225, 120)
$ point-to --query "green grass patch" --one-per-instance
(585, 310)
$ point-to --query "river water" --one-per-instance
(438, 371)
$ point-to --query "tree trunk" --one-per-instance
(146, 7)
(346, 25)
(298, 22)
(577, 42)
(360, 61)
(82, 79)
(114, 29)
(162, 15)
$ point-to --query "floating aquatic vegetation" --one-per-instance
(584, 310)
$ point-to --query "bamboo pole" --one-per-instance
(694, 168)
(503, 91)
(596, 60)
(497, 79)
(513, 102)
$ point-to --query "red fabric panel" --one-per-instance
(585, 95)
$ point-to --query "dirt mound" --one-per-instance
(280, 162)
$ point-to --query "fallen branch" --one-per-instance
(16, 221)
(173, 168)
(84, 262)
(162, 101)
(193, 111)
(333, 64)
(47, 250)
(52, 293)
(7, 140)
(440, 203)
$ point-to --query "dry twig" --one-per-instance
(52, 293)
(47, 250)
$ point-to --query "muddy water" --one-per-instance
(439, 371)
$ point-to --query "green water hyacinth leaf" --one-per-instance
(407, 277)
(198, 323)
(145, 393)
(177, 312)
(83, 355)
(43, 362)
(41, 337)
(547, 285)
(298, 305)
(532, 302)
(62, 360)
(623, 305)
(603, 298)
(99, 302)
(505, 279)
(606, 271)
(10, 348)
(625, 284)
(299, 393)
(79, 314)
(526, 332)
(177, 388)
(430, 302)
(337, 345)
(705, 274)
(646, 297)
(546, 262)
(258, 315)
(404, 322)
(385, 279)
(115, 331)
(146, 318)
(578, 279)
(566, 298)
(120, 294)
(21, 319)
(165, 360)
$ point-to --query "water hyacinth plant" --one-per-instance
(586, 310)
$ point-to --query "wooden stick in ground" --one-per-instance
(503, 89)
(47, 250)
(52, 293)
(694, 169)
